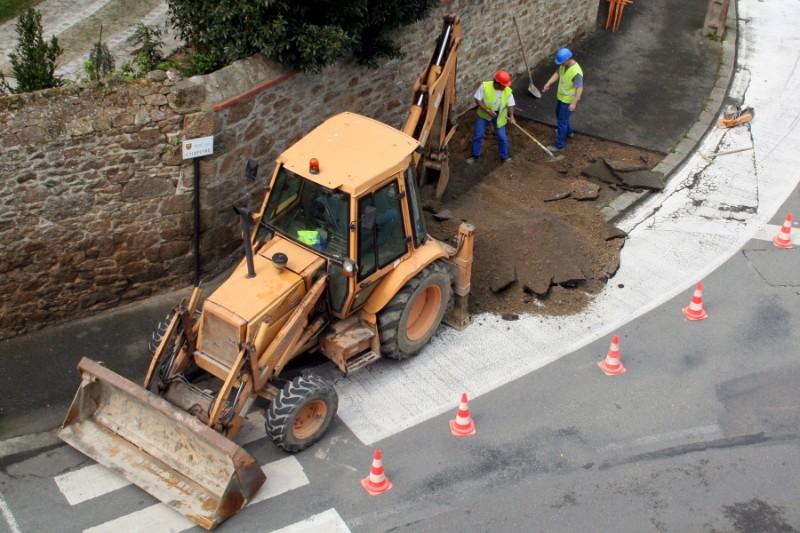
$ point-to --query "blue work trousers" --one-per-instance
(564, 127)
(477, 137)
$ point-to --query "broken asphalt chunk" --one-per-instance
(442, 215)
(503, 279)
(600, 170)
(559, 196)
(584, 190)
(643, 179)
(613, 232)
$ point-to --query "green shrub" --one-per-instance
(101, 62)
(33, 61)
(148, 55)
(201, 63)
(303, 34)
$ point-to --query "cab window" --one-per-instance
(381, 235)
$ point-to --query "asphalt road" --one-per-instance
(700, 434)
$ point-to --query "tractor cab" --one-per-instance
(347, 192)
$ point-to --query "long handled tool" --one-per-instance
(553, 157)
(531, 87)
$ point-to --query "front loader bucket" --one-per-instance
(159, 447)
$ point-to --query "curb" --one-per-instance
(696, 133)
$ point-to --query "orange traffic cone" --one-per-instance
(695, 311)
(376, 482)
(612, 364)
(463, 425)
(784, 238)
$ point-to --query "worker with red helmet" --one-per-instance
(570, 89)
(496, 107)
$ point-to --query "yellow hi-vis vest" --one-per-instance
(566, 91)
(489, 98)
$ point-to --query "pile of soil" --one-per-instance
(541, 244)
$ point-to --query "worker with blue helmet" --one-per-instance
(569, 76)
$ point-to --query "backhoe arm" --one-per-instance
(433, 97)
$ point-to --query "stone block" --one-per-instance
(240, 111)
(145, 138)
(144, 188)
(155, 99)
(179, 203)
(187, 96)
(199, 124)
(171, 250)
(141, 117)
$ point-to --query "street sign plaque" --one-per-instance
(198, 147)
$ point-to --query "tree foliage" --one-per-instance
(303, 34)
(33, 61)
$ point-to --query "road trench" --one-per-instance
(542, 243)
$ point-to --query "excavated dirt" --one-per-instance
(538, 249)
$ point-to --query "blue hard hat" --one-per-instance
(562, 55)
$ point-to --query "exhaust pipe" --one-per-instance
(248, 246)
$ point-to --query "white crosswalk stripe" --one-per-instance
(95, 480)
(282, 476)
(328, 521)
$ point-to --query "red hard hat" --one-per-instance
(503, 78)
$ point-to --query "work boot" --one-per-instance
(506, 160)
(471, 160)
(554, 148)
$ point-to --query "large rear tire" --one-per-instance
(301, 412)
(412, 317)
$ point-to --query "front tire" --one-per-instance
(301, 412)
(412, 317)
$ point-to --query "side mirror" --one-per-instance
(368, 218)
(349, 268)
(251, 170)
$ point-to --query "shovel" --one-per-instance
(531, 87)
(553, 158)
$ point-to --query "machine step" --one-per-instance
(360, 361)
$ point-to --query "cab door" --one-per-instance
(382, 240)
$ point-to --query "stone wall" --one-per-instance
(95, 202)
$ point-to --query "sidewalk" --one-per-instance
(645, 84)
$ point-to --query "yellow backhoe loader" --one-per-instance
(337, 260)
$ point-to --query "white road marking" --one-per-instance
(95, 480)
(8, 516)
(706, 214)
(662, 440)
(27, 443)
(89, 482)
(328, 521)
(769, 231)
(282, 476)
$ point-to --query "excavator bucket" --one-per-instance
(164, 450)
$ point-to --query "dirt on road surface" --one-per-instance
(538, 249)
